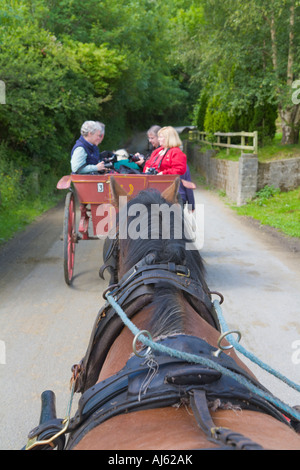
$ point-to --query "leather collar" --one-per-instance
(134, 292)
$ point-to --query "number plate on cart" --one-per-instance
(100, 187)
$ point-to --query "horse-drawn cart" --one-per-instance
(93, 193)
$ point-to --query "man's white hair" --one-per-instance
(92, 127)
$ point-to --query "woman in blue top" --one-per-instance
(85, 154)
(187, 193)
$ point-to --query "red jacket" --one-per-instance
(172, 163)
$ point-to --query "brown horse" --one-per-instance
(142, 398)
(168, 305)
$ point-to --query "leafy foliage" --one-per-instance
(266, 193)
(245, 56)
(226, 64)
(52, 87)
(64, 62)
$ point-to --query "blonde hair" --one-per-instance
(171, 136)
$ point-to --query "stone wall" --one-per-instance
(242, 179)
(283, 174)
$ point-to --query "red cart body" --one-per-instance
(94, 193)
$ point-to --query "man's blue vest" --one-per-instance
(91, 150)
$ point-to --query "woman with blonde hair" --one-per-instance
(168, 159)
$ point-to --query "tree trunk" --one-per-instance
(290, 135)
(289, 115)
(290, 63)
(290, 124)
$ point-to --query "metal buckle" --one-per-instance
(186, 274)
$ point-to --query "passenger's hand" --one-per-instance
(141, 159)
(100, 166)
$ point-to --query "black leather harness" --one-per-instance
(134, 291)
(158, 380)
(161, 381)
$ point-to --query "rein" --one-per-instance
(211, 362)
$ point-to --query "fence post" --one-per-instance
(255, 142)
(228, 143)
(243, 141)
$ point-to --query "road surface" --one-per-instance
(45, 325)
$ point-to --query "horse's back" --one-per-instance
(177, 429)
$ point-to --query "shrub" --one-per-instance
(217, 120)
(265, 193)
(10, 180)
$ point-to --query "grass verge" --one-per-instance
(280, 210)
(15, 219)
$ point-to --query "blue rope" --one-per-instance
(248, 354)
(199, 360)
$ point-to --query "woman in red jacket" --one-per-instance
(168, 159)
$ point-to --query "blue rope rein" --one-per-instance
(248, 354)
(199, 360)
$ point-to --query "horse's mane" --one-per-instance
(168, 303)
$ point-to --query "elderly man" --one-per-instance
(85, 156)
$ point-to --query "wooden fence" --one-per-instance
(200, 136)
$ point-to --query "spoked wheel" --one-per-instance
(69, 237)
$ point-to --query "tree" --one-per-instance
(282, 33)
(139, 30)
(247, 53)
(111, 57)
(51, 88)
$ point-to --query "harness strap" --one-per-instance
(198, 402)
(174, 381)
(135, 291)
(174, 275)
(107, 327)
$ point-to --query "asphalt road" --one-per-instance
(258, 272)
(45, 325)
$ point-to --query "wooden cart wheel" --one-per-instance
(69, 237)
